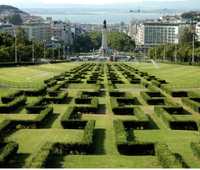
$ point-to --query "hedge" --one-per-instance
(166, 117)
(195, 149)
(9, 98)
(36, 92)
(166, 157)
(12, 106)
(44, 114)
(88, 132)
(3, 125)
(71, 121)
(39, 158)
(192, 104)
(120, 132)
(9, 150)
(59, 99)
(37, 105)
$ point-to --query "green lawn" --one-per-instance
(105, 153)
(30, 140)
(31, 76)
(178, 76)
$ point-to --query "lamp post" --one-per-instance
(63, 51)
(44, 49)
(68, 52)
(175, 54)
(15, 35)
(193, 46)
(33, 51)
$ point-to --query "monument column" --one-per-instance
(104, 43)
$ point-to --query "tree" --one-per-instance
(6, 39)
(21, 37)
(15, 19)
(186, 36)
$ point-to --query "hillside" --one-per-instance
(6, 10)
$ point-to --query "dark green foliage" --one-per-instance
(9, 98)
(166, 157)
(193, 103)
(36, 92)
(7, 152)
(88, 132)
(36, 106)
(120, 133)
(12, 106)
(38, 159)
(195, 149)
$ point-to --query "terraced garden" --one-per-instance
(99, 115)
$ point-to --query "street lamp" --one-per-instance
(15, 35)
(33, 51)
(175, 54)
(68, 52)
(63, 51)
(193, 46)
(44, 50)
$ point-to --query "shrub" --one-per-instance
(120, 133)
(166, 157)
(192, 103)
(16, 103)
(8, 151)
(37, 105)
(9, 98)
(59, 99)
(195, 149)
(39, 158)
(88, 132)
(36, 92)
(44, 114)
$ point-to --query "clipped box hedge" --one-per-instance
(58, 98)
(36, 92)
(7, 153)
(13, 105)
(10, 97)
(36, 106)
(167, 158)
(193, 103)
(120, 132)
(39, 158)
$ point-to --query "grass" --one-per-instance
(30, 140)
(105, 153)
(31, 76)
(178, 76)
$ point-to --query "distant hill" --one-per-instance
(7, 10)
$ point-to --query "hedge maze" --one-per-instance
(100, 115)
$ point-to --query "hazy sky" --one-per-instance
(16, 2)
(145, 3)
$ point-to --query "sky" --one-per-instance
(63, 3)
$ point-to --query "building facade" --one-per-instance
(198, 31)
(62, 32)
(38, 31)
(156, 33)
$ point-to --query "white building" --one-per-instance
(61, 31)
(38, 31)
(157, 33)
(198, 31)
